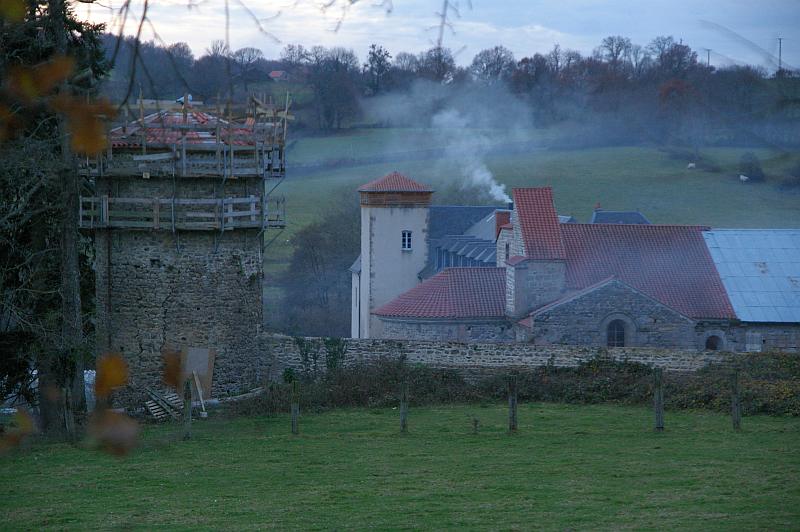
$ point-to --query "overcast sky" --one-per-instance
(737, 31)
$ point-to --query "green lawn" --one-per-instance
(569, 467)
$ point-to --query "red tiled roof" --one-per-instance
(394, 182)
(453, 293)
(539, 223)
(516, 259)
(666, 262)
(159, 132)
(501, 219)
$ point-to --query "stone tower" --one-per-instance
(394, 246)
(178, 207)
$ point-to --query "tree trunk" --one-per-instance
(66, 370)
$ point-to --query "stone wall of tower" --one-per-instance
(157, 290)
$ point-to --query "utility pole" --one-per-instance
(708, 57)
(780, 54)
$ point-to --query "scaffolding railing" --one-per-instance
(171, 214)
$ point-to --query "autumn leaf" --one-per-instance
(12, 10)
(113, 432)
(23, 426)
(85, 122)
(112, 372)
(88, 134)
(172, 368)
(29, 83)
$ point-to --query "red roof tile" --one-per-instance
(159, 131)
(453, 293)
(539, 223)
(666, 262)
(394, 182)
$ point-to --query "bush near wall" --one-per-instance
(769, 384)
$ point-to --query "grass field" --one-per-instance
(569, 467)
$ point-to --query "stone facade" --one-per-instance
(443, 330)
(156, 289)
(533, 283)
(751, 337)
(584, 320)
(475, 358)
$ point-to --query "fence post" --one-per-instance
(512, 403)
(736, 406)
(404, 407)
(187, 410)
(295, 406)
(658, 398)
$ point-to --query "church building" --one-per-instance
(526, 274)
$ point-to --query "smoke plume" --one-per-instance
(469, 124)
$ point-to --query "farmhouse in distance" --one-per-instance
(526, 274)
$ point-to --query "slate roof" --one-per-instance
(599, 216)
(454, 293)
(158, 131)
(394, 182)
(760, 270)
(356, 267)
(666, 262)
(539, 223)
(447, 220)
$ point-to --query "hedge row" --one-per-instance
(769, 384)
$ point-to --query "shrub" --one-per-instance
(769, 384)
(750, 166)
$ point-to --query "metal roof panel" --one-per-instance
(760, 270)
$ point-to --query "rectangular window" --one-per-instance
(406, 241)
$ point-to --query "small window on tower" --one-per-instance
(406, 241)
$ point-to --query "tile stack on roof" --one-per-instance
(501, 219)
(666, 262)
(539, 225)
(453, 293)
(160, 129)
(394, 182)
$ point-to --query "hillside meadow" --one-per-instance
(623, 178)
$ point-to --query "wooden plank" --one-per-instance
(512, 403)
(658, 398)
(404, 407)
(198, 214)
(154, 157)
(736, 404)
(162, 402)
(187, 410)
(104, 208)
(199, 388)
(295, 407)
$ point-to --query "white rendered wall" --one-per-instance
(386, 269)
(355, 302)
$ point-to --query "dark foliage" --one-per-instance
(770, 384)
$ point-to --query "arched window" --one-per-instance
(615, 333)
(713, 343)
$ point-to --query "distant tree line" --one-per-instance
(659, 92)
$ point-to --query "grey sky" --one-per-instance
(526, 27)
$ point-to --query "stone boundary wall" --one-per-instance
(476, 358)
